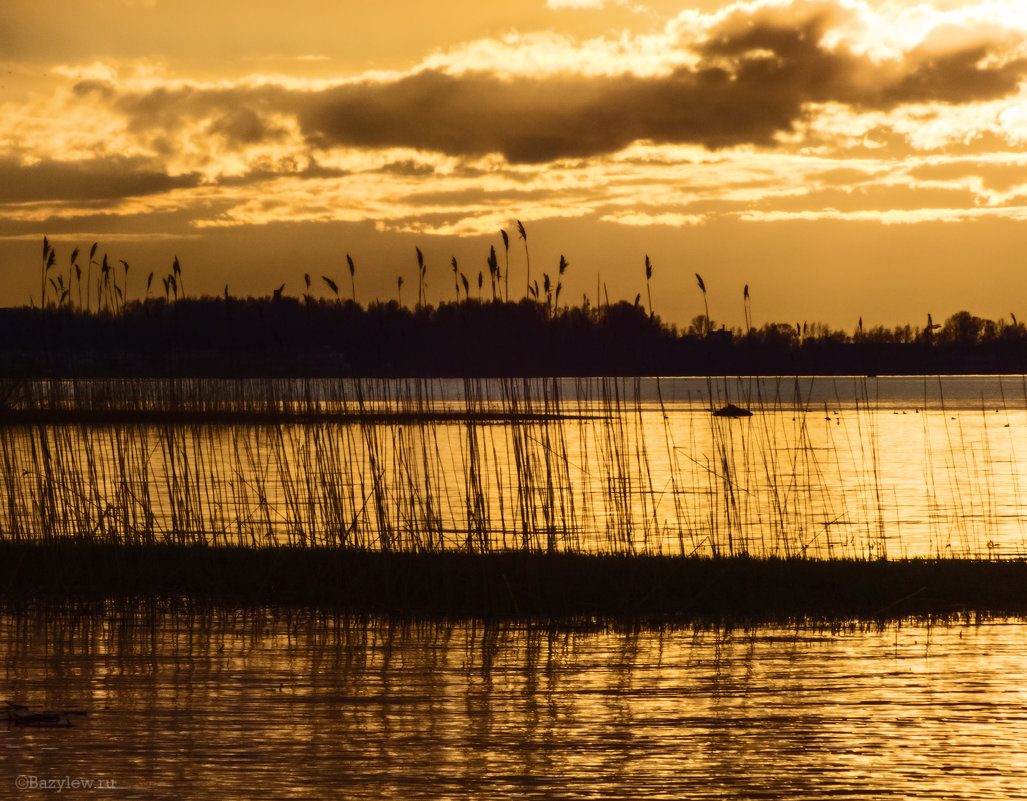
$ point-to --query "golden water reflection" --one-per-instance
(232, 704)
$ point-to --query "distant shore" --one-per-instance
(517, 584)
(287, 337)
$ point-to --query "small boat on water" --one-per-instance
(732, 411)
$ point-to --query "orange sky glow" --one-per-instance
(844, 158)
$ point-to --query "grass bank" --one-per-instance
(517, 584)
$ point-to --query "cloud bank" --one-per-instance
(754, 79)
(764, 110)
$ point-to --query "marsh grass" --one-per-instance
(600, 466)
(514, 584)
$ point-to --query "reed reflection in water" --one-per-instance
(825, 467)
(230, 704)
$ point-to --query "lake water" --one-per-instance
(828, 466)
(227, 704)
(186, 701)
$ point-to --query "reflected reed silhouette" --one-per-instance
(210, 702)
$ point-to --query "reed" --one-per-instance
(527, 260)
(422, 269)
(648, 287)
(539, 465)
(506, 267)
(352, 277)
(706, 305)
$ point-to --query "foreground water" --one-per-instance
(225, 704)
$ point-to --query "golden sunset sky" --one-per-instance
(844, 158)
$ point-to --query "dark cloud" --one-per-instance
(958, 77)
(534, 120)
(282, 168)
(244, 126)
(78, 181)
(238, 113)
(97, 89)
(755, 79)
(746, 92)
(462, 198)
(101, 225)
(407, 168)
(95, 183)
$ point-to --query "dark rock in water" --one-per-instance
(732, 411)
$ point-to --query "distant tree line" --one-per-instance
(97, 317)
(282, 335)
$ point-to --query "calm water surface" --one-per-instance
(222, 704)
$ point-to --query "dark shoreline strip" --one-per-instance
(518, 585)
